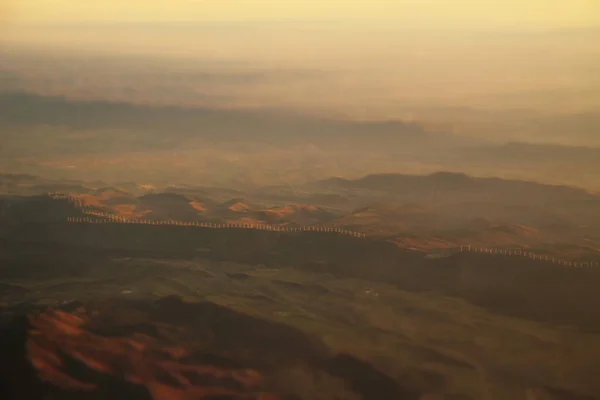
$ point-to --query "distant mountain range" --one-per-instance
(220, 125)
(463, 187)
(59, 135)
(536, 153)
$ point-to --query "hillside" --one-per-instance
(404, 329)
(173, 349)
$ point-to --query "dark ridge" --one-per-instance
(464, 187)
(264, 343)
(40, 208)
(520, 287)
(21, 108)
(59, 187)
(18, 177)
(7, 289)
(366, 380)
(18, 379)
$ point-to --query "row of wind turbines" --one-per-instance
(530, 255)
(101, 218)
(93, 216)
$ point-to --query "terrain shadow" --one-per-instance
(137, 349)
(519, 287)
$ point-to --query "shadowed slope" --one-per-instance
(169, 349)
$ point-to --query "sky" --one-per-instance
(502, 62)
(503, 14)
(486, 70)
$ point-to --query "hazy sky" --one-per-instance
(493, 70)
(544, 14)
(506, 61)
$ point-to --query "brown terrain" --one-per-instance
(143, 311)
(420, 213)
(171, 350)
